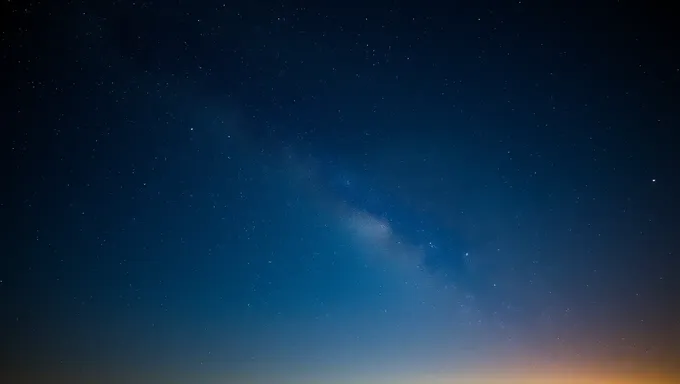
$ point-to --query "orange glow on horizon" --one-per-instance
(535, 375)
(551, 377)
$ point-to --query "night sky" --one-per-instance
(339, 192)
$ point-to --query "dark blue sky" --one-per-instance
(343, 193)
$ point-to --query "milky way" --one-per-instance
(244, 192)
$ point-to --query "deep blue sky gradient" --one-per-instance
(275, 192)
